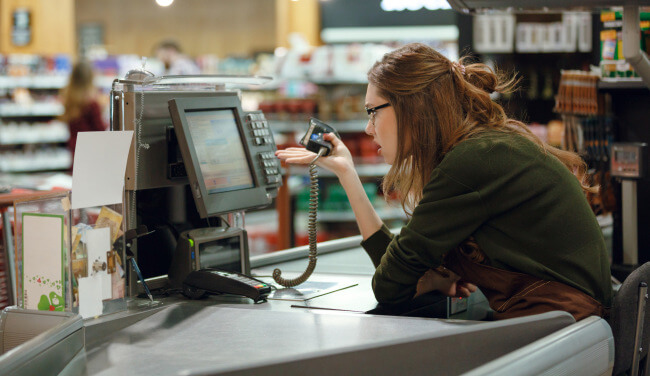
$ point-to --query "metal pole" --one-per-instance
(10, 263)
(630, 224)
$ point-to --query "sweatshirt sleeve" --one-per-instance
(377, 244)
(448, 213)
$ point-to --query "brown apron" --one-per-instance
(512, 294)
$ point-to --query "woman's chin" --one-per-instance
(386, 160)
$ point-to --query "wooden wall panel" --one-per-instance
(302, 16)
(53, 26)
(221, 27)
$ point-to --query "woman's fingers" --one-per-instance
(464, 289)
(295, 155)
(293, 149)
(300, 160)
(293, 152)
(331, 137)
(444, 281)
(470, 286)
(462, 292)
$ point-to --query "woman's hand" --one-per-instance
(445, 281)
(338, 161)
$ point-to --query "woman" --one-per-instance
(81, 103)
(491, 205)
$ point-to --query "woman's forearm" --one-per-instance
(367, 218)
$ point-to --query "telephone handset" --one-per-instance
(313, 140)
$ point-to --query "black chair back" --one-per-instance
(630, 323)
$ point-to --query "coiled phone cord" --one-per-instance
(311, 228)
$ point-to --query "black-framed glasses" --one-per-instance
(372, 110)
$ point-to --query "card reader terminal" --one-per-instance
(314, 139)
(224, 248)
(217, 281)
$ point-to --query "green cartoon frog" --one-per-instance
(54, 303)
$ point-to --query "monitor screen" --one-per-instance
(219, 150)
(222, 253)
(225, 154)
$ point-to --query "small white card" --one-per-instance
(99, 168)
(43, 262)
(90, 297)
(98, 242)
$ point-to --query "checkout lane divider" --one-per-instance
(302, 252)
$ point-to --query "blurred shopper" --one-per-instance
(81, 100)
(176, 63)
(491, 205)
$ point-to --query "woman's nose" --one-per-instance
(369, 128)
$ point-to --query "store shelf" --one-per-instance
(38, 168)
(332, 81)
(364, 170)
(105, 82)
(34, 82)
(48, 82)
(14, 133)
(386, 214)
(621, 84)
(42, 181)
(278, 83)
(34, 109)
(30, 136)
(347, 126)
(483, 6)
(40, 160)
(41, 140)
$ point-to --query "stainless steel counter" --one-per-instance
(190, 339)
(327, 335)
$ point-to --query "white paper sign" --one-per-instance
(99, 167)
(43, 262)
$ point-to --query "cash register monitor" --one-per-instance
(219, 154)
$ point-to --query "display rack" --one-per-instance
(31, 136)
(31, 139)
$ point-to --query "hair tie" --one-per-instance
(460, 67)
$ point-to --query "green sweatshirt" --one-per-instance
(525, 209)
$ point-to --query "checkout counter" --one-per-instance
(325, 335)
(338, 329)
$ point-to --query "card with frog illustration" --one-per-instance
(43, 261)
